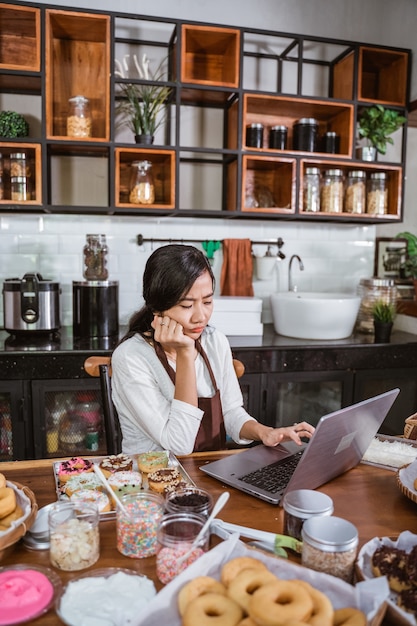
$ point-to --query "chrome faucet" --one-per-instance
(291, 286)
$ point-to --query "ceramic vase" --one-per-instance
(144, 139)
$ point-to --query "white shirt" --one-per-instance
(143, 394)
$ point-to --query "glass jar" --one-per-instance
(372, 290)
(89, 411)
(355, 194)
(278, 137)
(377, 196)
(20, 189)
(175, 536)
(19, 164)
(136, 531)
(142, 189)
(300, 505)
(79, 121)
(330, 545)
(332, 192)
(305, 134)
(74, 535)
(189, 500)
(254, 135)
(311, 190)
(95, 258)
(71, 433)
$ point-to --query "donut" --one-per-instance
(244, 585)
(116, 463)
(412, 565)
(87, 480)
(236, 565)
(349, 617)
(198, 587)
(73, 467)
(7, 501)
(407, 600)
(2, 481)
(248, 621)
(92, 495)
(6, 522)
(125, 482)
(322, 614)
(391, 562)
(212, 609)
(161, 478)
(151, 461)
(279, 601)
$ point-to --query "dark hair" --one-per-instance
(169, 274)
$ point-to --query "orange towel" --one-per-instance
(237, 268)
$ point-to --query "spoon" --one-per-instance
(216, 509)
(109, 490)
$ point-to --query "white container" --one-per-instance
(237, 315)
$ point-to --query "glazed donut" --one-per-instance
(212, 609)
(2, 481)
(349, 617)
(7, 501)
(82, 481)
(280, 601)
(116, 463)
(244, 585)
(236, 565)
(73, 467)
(322, 614)
(92, 495)
(198, 587)
(151, 461)
(6, 522)
(127, 481)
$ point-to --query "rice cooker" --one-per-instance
(31, 304)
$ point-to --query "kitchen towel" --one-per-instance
(237, 268)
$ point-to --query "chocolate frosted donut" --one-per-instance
(407, 600)
(116, 463)
(391, 562)
(159, 480)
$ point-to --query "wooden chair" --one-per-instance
(100, 367)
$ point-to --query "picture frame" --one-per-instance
(390, 255)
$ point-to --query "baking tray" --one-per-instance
(109, 515)
(409, 442)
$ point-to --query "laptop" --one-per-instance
(338, 444)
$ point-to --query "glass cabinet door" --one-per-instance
(14, 437)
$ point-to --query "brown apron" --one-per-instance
(211, 434)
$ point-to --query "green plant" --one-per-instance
(383, 311)
(141, 105)
(13, 125)
(410, 265)
(376, 124)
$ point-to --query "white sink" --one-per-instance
(314, 315)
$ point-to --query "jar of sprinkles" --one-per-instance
(137, 528)
(330, 545)
(300, 505)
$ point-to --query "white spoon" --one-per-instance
(216, 509)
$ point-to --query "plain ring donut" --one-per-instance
(212, 609)
(279, 602)
(198, 587)
(349, 617)
(236, 565)
(322, 614)
(244, 585)
(7, 501)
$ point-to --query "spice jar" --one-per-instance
(377, 197)
(175, 536)
(79, 121)
(305, 133)
(189, 500)
(95, 258)
(372, 290)
(19, 164)
(254, 135)
(137, 528)
(142, 190)
(300, 505)
(19, 188)
(332, 192)
(330, 545)
(74, 535)
(311, 189)
(355, 194)
(278, 137)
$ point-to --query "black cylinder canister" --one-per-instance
(305, 134)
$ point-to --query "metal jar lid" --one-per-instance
(313, 170)
(307, 121)
(305, 503)
(79, 100)
(357, 174)
(333, 173)
(18, 155)
(330, 534)
(280, 127)
(377, 282)
(255, 126)
(378, 176)
(18, 179)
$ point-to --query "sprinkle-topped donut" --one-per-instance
(150, 461)
(116, 463)
(92, 495)
(87, 480)
(159, 480)
(73, 467)
(125, 482)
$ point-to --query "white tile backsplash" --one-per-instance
(335, 256)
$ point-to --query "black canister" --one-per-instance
(278, 137)
(330, 143)
(254, 135)
(305, 132)
(95, 307)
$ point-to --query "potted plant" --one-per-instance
(376, 124)
(383, 314)
(13, 125)
(141, 105)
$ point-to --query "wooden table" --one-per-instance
(367, 496)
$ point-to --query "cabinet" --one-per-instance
(221, 80)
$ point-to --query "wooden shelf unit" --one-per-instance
(270, 181)
(34, 162)
(20, 42)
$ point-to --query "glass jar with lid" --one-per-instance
(79, 121)
(332, 191)
(372, 290)
(142, 189)
(311, 189)
(95, 258)
(19, 164)
(355, 193)
(20, 188)
(377, 196)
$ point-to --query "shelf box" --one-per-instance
(163, 172)
(394, 187)
(19, 38)
(77, 63)
(210, 55)
(34, 164)
(382, 76)
(274, 110)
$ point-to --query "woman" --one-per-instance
(173, 380)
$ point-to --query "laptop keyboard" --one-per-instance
(274, 477)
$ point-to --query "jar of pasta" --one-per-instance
(332, 191)
(19, 164)
(355, 194)
(79, 121)
(142, 189)
(377, 197)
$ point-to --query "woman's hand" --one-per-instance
(274, 436)
(170, 334)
